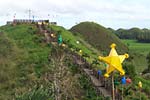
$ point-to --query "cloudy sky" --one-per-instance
(109, 13)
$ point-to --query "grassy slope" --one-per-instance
(71, 39)
(141, 48)
(139, 51)
(98, 36)
(22, 59)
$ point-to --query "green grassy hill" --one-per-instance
(30, 68)
(98, 36)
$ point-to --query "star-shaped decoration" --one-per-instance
(114, 61)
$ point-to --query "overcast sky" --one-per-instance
(109, 13)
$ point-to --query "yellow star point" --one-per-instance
(114, 61)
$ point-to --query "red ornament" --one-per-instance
(128, 80)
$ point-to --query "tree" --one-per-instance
(148, 58)
(144, 37)
(147, 70)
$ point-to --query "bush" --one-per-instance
(90, 92)
(41, 93)
(129, 70)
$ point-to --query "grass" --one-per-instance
(23, 58)
(134, 46)
(98, 36)
(71, 39)
(145, 85)
(139, 51)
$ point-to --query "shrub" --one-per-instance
(38, 93)
(130, 70)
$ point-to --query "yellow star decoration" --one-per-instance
(114, 61)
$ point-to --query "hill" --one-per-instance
(98, 36)
(30, 68)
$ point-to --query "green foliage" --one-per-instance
(147, 70)
(144, 37)
(148, 57)
(130, 70)
(71, 65)
(37, 93)
(128, 33)
(90, 93)
(141, 35)
(145, 84)
(5, 46)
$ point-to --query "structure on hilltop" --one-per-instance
(27, 21)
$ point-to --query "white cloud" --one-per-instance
(68, 12)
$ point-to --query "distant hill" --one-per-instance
(98, 36)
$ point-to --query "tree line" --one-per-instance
(141, 35)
